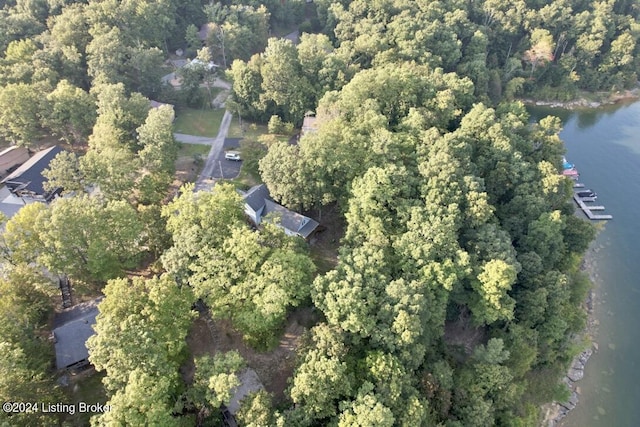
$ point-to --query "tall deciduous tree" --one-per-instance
(101, 241)
(140, 343)
(69, 113)
(20, 113)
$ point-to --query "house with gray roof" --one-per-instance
(27, 182)
(72, 329)
(258, 205)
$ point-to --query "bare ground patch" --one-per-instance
(325, 243)
(187, 169)
(274, 367)
(462, 334)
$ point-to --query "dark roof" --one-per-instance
(291, 220)
(29, 175)
(256, 197)
(306, 230)
(74, 327)
(9, 209)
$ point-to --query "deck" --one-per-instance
(587, 209)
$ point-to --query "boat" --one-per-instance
(571, 173)
(566, 165)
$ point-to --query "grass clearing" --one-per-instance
(251, 151)
(191, 121)
(248, 130)
(252, 131)
(190, 150)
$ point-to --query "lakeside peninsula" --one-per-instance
(360, 225)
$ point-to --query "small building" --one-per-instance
(258, 205)
(309, 125)
(27, 182)
(158, 104)
(249, 384)
(209, 66)
(11, 158)
(72, 329)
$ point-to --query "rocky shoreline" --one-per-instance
(556, 411)
(582, 103)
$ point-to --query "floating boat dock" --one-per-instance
(587, 209)
(569, 170)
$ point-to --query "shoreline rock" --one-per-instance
(582, 103)
(555, 412)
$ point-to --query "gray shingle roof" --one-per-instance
(74, 327)
(258, 198)
(29, 176)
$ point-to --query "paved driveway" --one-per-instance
(216, 156)
(227, 169)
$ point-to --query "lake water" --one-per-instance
(605, 147)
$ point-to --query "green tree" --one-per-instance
(323, 377)
(197, 221)
(366, 410)
(98, 245)
(106, 55)
(158, 153)
(69, 113)
(20, 113)
(247, 87)
(21, 238)
(256, 410)
(25, 356)
(144, 400)
(141, 331)
(64, 172)
(267, 268)
(214, 380)
(119, 116)
(282, 81)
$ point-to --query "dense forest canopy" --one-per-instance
(456, 297)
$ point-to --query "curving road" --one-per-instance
(205, 180)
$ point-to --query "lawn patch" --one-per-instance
(251, 153)
(190, 150)
(198, 122)
(245, 129)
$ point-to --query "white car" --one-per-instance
(232, 155)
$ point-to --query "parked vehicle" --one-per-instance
(232, 155)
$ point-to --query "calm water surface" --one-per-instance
(605, 146)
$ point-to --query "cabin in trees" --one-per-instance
(27, 182)
(72, 329)
(249, 384)
(258, 205)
